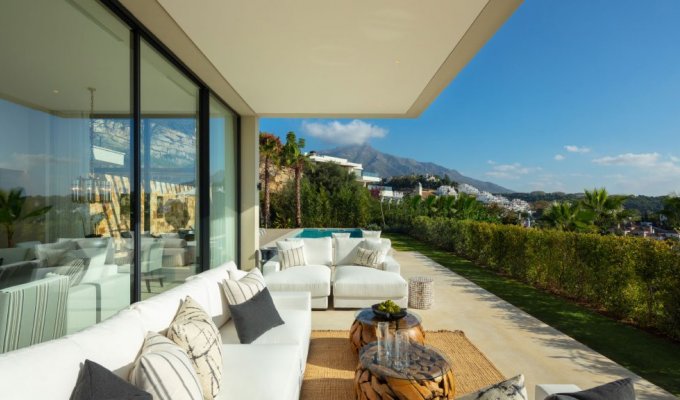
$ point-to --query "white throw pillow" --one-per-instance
(370, 234)
(292, 257)
(194, 331)
(511, 389)
(239, 291)
(380, 246)
(340, 234)
(164, 370)
(367, 258)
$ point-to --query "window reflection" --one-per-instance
(64, 169)
(169, 166)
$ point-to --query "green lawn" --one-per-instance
(654, 358)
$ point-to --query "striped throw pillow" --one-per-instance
(242, 290)
(367, 258)
(292, 257)
(194, 331)
(164, 370)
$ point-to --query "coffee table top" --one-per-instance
(425, 363)
(368, 317)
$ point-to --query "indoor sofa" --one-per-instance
(329, 267)
(271, 367)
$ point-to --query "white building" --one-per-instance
(354, 168)
(446, 190)
(468, 189)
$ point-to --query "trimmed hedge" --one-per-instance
(633, 279)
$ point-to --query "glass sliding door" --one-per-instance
(223, 184)
(169, 215)
(65, 166)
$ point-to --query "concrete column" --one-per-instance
(250, 197)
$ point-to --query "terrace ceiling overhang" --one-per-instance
(311, 58)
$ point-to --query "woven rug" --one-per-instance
(331, 363)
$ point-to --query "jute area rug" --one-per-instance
(331, 363)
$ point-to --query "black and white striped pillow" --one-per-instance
(292, 257)
(164, 370)
(242, 290)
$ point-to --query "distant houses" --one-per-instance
(356, 169)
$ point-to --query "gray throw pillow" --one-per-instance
(255, 316)
(98, 383)
(618, 390)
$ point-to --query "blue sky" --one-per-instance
(567, 95)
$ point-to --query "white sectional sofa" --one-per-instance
(330, 265)
(272, 367)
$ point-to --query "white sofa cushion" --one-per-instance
(164, 370)
(260, 372)
(296, 330)
(158, 311)
(114, 343)
(346, 248)
(194, 331)
(318, 251)
(219, 308)
(363, 282)
(370, 234)
(45, 371)
(315, 279)
(13, 255)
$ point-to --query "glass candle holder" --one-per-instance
(402, 344)
(385, 340)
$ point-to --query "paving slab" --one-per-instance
(513, 340)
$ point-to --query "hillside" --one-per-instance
(387, 165)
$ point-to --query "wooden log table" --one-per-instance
(428, 375)
(365, 324)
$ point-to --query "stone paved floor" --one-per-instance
(513, 340)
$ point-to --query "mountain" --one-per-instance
(387, 165)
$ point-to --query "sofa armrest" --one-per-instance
(391, 265)
(292, 300)
(545, 390)
(271, 266)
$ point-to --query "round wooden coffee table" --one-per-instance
(428, 375)
(365, 324)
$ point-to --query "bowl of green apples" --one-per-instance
(388, 311)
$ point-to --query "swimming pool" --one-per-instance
(328, 232)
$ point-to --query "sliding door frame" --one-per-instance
(139, 33)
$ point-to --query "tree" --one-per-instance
(270, 155)
(294, 159)
(12, 211)
(671, 210)
(567, 216)
(605, 208)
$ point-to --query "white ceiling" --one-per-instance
(334, 58)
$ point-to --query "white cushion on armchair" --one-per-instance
(364, 282)
(346, 248)
(315, 279)
(318, 251)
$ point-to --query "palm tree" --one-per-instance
(11, 210)
(566, 216)
(430, 205)
(446, 205)
(295, 159)
(466, 207)
(270, 155)
(606, 209)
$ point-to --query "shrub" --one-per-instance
(634, 279)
